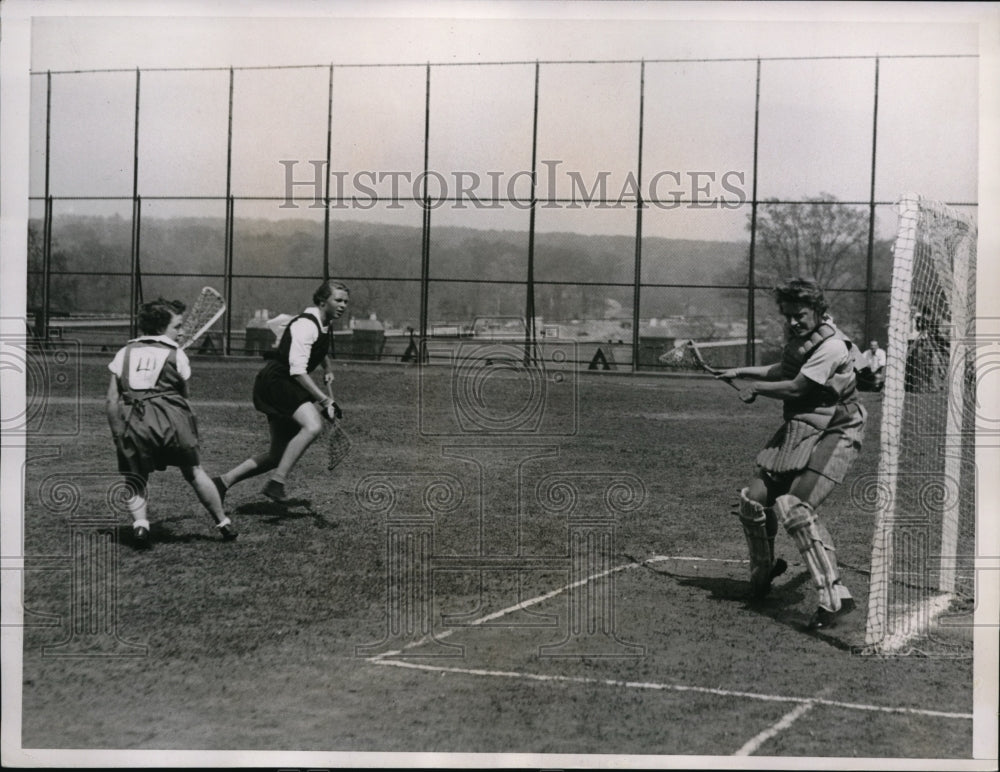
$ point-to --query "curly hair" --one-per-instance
(802, 292)
(326, 289)
(154, 317)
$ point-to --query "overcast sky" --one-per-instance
(565, 31)
(816, 117)
(815, 123)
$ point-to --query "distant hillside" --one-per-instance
(287, 258)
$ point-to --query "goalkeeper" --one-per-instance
(810, 454)
(285, 392)
(151, 421)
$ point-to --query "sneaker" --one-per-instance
(275, 491)
(217, 482)
(823, 619)
(141, 536)
(227, 532)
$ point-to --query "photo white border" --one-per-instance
(15, 37)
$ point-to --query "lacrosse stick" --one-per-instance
(338, 444)
(676, 355)
(711, 370)
(203, 314)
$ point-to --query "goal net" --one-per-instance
(922, 580)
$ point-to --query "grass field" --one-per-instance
(255, 644)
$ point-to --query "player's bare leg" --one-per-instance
(310, 427)
(208, 494)
(281, 432)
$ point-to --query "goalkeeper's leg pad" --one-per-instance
(760, 543)
(815, 545)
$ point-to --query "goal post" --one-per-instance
(925, 490)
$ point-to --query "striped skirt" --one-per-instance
(830, 451)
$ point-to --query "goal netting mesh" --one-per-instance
(922, 581)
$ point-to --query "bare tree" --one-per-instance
(822, 238)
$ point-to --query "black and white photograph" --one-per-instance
(500, 385)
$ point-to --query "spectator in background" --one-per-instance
(871, 376)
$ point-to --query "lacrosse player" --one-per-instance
(151, 422)
(810, 454)
(285, 392)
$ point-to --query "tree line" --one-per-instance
(473, 272)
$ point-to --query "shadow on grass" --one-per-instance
(158, 534)
(779, 605)
(274, 513)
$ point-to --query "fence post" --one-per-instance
(135, 295)
(751, 355)
(637, 277)
(42, 320)
(530, 340)
(227, 258)
(425, 249)
(870, 271)
(326, 197)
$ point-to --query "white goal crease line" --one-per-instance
(811, 701)
(383, 658)
(917, 621)
(541, 598)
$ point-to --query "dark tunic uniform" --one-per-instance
(160, 428)
(276, 393)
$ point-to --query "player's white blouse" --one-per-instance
(825, 360)
(146, 362)
(304, 334)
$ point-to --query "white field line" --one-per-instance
(672, 688)
(383, 659)
(753, 744)
(581, 582)
(541, 598)
(917, 623)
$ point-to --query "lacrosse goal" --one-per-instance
(924, 496)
